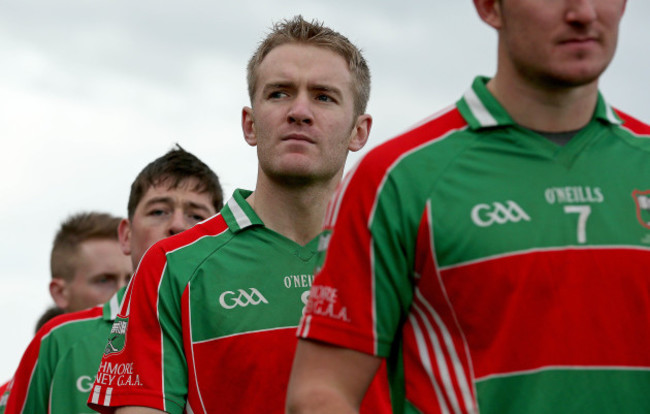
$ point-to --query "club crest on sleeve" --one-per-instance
(117, 337)
(642, 201)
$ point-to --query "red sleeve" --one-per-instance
(22, 380)
(143, 362)
(23, 375)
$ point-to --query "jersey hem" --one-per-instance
(137, 400)
(322, 330)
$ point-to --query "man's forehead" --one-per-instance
(188, 190)
(88, 250)
(282, 59)
(106, 257)
(292, 64)
(171, 185)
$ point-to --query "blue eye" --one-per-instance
(277, 95)
(102, 280)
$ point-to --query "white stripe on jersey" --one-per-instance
(611, 116)
(114, 307)
(438, 354)
(373, 305)
(480, 112)
(306, 325)
(162, 337)
(96, 392)
(107, 397)
(461, 378)
(241, 218)
(426, 363)
(470, 403)
(194, 361)
(335, 203)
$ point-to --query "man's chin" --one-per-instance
(298, 176)
(573, 77)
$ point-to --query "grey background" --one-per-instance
(91, 91)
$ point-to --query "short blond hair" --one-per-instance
(298, 30)
(75, 230)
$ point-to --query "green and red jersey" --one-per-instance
(4, 395)
(209, 320)
(56, 372)
(497, 271)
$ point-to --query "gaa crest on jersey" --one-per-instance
(642, 201)
(117, 337)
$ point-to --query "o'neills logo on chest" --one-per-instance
(574, 194)
(642, 201)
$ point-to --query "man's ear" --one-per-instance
(360, 132)
(490, 12)
(59, 293)
(124, 236)
(248, 126)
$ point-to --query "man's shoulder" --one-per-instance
(633, 125)
(428, 131)
(210, 232)
(190, 248)
(71, 324)
(633, 132)
(434, 136)
(79, 346)
(62, 332)
(91, 340)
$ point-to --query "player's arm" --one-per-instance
(147, 327)
(137, 410)
(328, 379)
(32, 379)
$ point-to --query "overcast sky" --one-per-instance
(91, 91)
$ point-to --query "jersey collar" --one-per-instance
(481, 109)
(238, 214)
(112, 307)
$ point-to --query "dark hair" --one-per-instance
(50, 313)
(75, 230)
(172, 169)
(298, 30)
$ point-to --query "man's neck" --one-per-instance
(295, 211)
(545, 109)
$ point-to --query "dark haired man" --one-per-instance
(57, 371)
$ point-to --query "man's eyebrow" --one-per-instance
(316, 87)
(167, 200)
(278, 85)
(326, 88)
(104, 274)
(199, 206)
